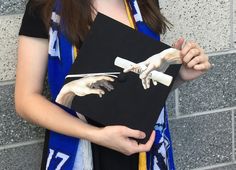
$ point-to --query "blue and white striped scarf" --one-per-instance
(70, 153)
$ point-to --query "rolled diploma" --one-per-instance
(155, 75)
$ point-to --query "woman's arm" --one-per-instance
(32, 106)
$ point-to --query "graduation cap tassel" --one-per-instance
(142, 161)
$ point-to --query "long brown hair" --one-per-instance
(77, 16)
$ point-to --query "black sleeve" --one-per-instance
(32, 24)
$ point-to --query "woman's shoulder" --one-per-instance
(32, 23)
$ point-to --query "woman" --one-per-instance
(111, 144)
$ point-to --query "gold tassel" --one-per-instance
(142, 165)
(75, 52)
(129, 15)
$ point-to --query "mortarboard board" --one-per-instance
(128, 104)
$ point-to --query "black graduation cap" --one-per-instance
(128, 104)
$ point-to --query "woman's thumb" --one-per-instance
(178, 44)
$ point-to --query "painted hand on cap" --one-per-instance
(160, 62)
(84, 86)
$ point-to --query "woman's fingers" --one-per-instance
(190, 49)
(187, 47)
(191, 54)
(124, 139)
(131, 133)
(194, 57)
(203, 66)
(146, 147)
(135, 147)
(139, 135)
(197, 60)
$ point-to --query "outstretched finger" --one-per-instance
(132, 68)
(99, 78)
(99, 92)
(106, 85)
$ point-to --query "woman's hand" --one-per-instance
(193, 58)
(82, 87)
(120, 138)
(195, 61)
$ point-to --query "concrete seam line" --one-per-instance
(214, 166)
(7, 82)
(213, 54)
(16, 145)
(177, 103)
(205, 113)
(233, 136)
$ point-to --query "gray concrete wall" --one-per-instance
(202, 112)
(20, 142)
